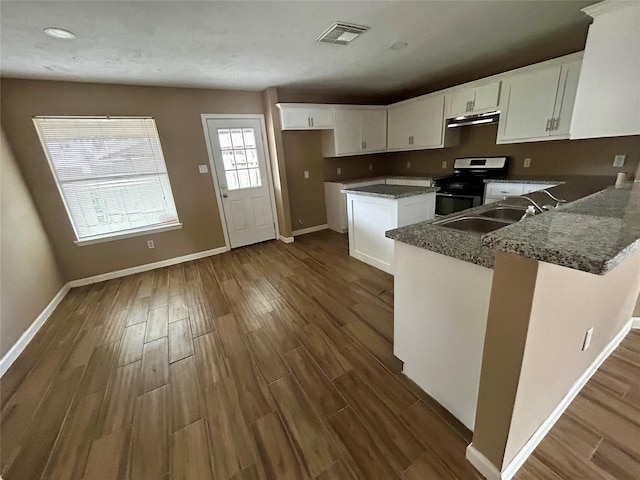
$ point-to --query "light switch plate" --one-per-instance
(306, 174)
(339, 170)
(444, 164)
(203, 169)
(618, 160)
(527, 162)
(587, 339)
(370, 166)
(408, 165)
(150, 244)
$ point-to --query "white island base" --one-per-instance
(440, 318)
(370, 217)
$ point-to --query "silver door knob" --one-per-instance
(224, 195)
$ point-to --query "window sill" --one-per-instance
(131, 233)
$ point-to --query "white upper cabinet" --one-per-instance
(538, 104)
(608, 97)
(417, 124)
(356, 131)
(472, 100)
(296, 116)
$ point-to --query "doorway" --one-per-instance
(240, 170)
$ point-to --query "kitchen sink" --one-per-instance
(512, 214)
(480, 225)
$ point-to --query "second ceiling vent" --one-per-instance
(341, 33)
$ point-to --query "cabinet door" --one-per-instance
(400, 133)
(565, 99)
(460, 102)
(321, 118)
(428, 122)
(530, 103)
(486, 97)
(373, 130)
(347, 132)
(295, 119)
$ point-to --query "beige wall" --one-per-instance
(29, 278)
(636, 312)
(177, 114)
(550, 308)
(557, 157)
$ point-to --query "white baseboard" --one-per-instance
(17, 348)
(304, 231)
(144, 268)
(490, 471)
(285, 239)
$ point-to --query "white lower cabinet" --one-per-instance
(370, 217)
(497, 191)
(336, 202)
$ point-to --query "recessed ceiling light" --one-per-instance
(341, 33)
(59, 33)
(399, 45)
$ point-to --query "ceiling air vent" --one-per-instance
(341, 33)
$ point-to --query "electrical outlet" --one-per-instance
(306, 174)
(370, 167)
(587, 339)
(203, 169)
(408, 165)
(444, 164)
(527, 162)
(339, 171)
(150, 244)
(618, 160)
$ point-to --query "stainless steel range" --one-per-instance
(465, 188)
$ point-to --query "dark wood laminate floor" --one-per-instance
(269, 362)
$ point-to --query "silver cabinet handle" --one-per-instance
(364, 145)
(410, 140)
(555, 123)
(311, 121)
(548, 127)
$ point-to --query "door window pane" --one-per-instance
(240, 157)
(254, 175)
(243, 179)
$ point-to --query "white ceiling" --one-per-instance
(257, 44)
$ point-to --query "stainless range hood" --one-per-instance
(478, 119)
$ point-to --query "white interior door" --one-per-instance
(241, 171)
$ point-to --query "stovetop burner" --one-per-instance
(469, 175)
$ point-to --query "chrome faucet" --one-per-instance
(534, 204)
(559, 201)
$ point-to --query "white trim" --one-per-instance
(481, 462)
(17, 348)
(635, 323)
(285, 239)
(128, 234)
(304, 231)
(145, 268)
(214, 174)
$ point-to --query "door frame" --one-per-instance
(212, 167)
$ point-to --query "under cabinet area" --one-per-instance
(418, 124)
(356, 131)
(496, 191)
(296, 116)
(538, 104)
(478, 99)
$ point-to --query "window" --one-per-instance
(240, 157)
(111, 174)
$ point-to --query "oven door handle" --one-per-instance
(456, 195)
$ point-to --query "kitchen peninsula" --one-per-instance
(514, 308)
(374, 209)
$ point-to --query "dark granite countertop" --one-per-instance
(390, 191)
(594, 232)
(380, 178)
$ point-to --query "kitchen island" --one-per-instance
(498, 335)
(374, 209)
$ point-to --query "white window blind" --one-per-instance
(110, 172)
